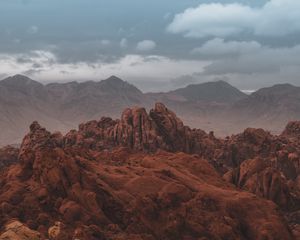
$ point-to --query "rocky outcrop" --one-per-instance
(8, 156)
(247, 145)
(261, 177)
(74, 187)
(264, 164)
(292, 130)
(138, 130)
(17, 231)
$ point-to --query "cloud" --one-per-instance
(266, 60)
(33, 29)
(275, 18)
(105, 42)
(219, 48)
(124, 43)
(167, 16)
(159, 73)
(248, 91)
(44, 66)
(248, 64)
(184, 80)
(146, 45)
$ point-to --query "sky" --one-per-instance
(156, 45)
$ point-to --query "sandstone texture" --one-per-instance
(147, 176)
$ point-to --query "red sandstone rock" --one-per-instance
(260, 177)
(137, 196)
(160, 129)
(292, 130)
(8, 156)
(113, 179)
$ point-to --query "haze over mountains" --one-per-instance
(214, 106)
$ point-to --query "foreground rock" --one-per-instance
(292, 130)
(8, 156)
(17, 231)
(147, 176)
(268, 166)
(140, 131)
(63, 189)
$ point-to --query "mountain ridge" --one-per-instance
(203, 92)
(61, 106)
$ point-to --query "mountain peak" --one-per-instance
(114, 83)
(278, 89)
(114, 79)
(19, 80)
(19, 77)
(284, 85)
(220, 91)
(292, 129)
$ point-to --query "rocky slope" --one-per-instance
(147, 176)
(292, 130)
(8, 156)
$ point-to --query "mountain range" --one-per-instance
(213, 106)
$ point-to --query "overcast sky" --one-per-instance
(156, 45)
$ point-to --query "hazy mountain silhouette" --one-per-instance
(216, 106)
(269, 107)
(60, 106)
(219, 91)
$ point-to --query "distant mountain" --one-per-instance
(18, 87)
(219, 91)
(214, 106)
(93, 99)
(270, 107)
(60, 106)
(200, 105)
(20, 82)
(279, 99)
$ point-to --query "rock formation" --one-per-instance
(147, 176)
(160, 129)
(292, 130)
(8, 156)
(15, 230)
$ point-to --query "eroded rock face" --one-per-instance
(65, 190)
(247, 145)
(15, 230)
(138, 130)
(265, 165)
(8, 156)
(292, 130)
(261, 177)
